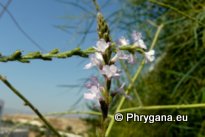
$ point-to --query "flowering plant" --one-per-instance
(105, 57)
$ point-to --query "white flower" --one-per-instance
(131, 59)
(101, 46)
(93, 94)
(136, 36)
(138, 42)
(123, 41)
(95, 60)
(150, 56)
(110, 71)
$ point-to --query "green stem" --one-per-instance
(130, 79)
(126, 70)
(96, 5)
(76, 112)
(177, 10)
(28, 103)
(178, 106)
(17, 55)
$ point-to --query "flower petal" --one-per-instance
(94, 90)
(101, 45)
(123, 41)
(138, 42)
(92, 82)
(150, 56)
(136, 36)
(122, 55)
(131, 59)
(95, 60)
(113, 68)
(89, 96)
(88, 66)
(110, 71)
(99, 57)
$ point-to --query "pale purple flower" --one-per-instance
(101, 46)
(121, 91)
(110, 71)
(92, 82)
(121, 55)
(123, 41)
(94, 93)
(95, 60)
(138, 42)
(149, 56)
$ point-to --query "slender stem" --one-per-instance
(177, 10)
(132, 82)
(178, 106)
(130, 79)
(159, 28)
(28, 103)
(78, 112)
(138, 97)
(96, 5)
(126, 70)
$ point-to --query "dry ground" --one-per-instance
(71, 125)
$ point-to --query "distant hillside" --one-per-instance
(72, 127)
(15, 111)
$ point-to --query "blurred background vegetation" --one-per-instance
(177, 76)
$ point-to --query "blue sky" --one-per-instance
(39, 80)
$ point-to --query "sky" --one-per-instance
(40, 81)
